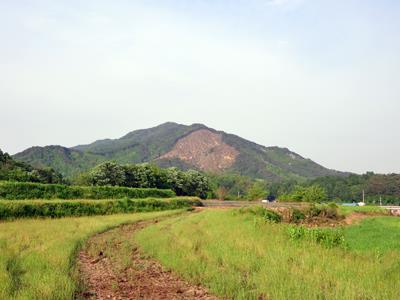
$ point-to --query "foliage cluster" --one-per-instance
(313, 193)
(189, 183)
(233, 186)
(328, 237)
(65, 208)
(28, 190)
(20, 171)
(350, 188)
(266, 214)
(314, 211)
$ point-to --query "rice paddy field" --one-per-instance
(231, 252)
(37, 256)
(239, 256)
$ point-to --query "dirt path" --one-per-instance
(106, 277)
(356, 217)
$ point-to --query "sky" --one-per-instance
(321, 78)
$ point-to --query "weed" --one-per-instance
(15, 273)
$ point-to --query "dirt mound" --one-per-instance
(205, 150)
(142, 278)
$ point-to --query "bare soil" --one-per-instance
(204, 149)
(142, 278)
(356, 217)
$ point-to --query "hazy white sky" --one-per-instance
(319, 77)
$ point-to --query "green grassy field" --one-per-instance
(242, 257)
(37, 256)
(346, 210)
(379, 234)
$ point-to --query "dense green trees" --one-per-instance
(257, 191)
(230, 186)
(350, 188)
(313, 193)
(19, 171)
(108, 173)
(375, 186)
(192, 183)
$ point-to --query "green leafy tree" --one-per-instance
(257, 191)
(314, 193)
(108, 173)
(196, 184)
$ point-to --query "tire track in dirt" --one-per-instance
(143, 278)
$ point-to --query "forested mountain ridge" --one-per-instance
(186, 147)
(11, 169)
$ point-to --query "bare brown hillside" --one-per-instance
(205, 150)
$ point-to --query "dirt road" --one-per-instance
(141, 278)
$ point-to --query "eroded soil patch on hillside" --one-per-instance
(112, 267)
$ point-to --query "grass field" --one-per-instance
(37, 255)
(379, 235)
(242, 257)
(346, 210)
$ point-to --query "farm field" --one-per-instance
(37, 256)
(369, 209)
(200, 150)
(240, 256)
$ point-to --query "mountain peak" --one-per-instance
(185, 146)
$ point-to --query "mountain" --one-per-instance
(11, 169)
(187, 147)
(67, 161)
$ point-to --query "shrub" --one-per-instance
(267, 214)
(325, 211)
(297, 216)
(26, 190)
(272, 216)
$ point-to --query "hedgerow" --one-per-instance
(66, 208)
(28, 190)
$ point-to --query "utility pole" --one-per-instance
(363, 196)
(380, 200)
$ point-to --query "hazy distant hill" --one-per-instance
(170, 144)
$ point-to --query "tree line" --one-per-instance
(188, 183)
(228, 186)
